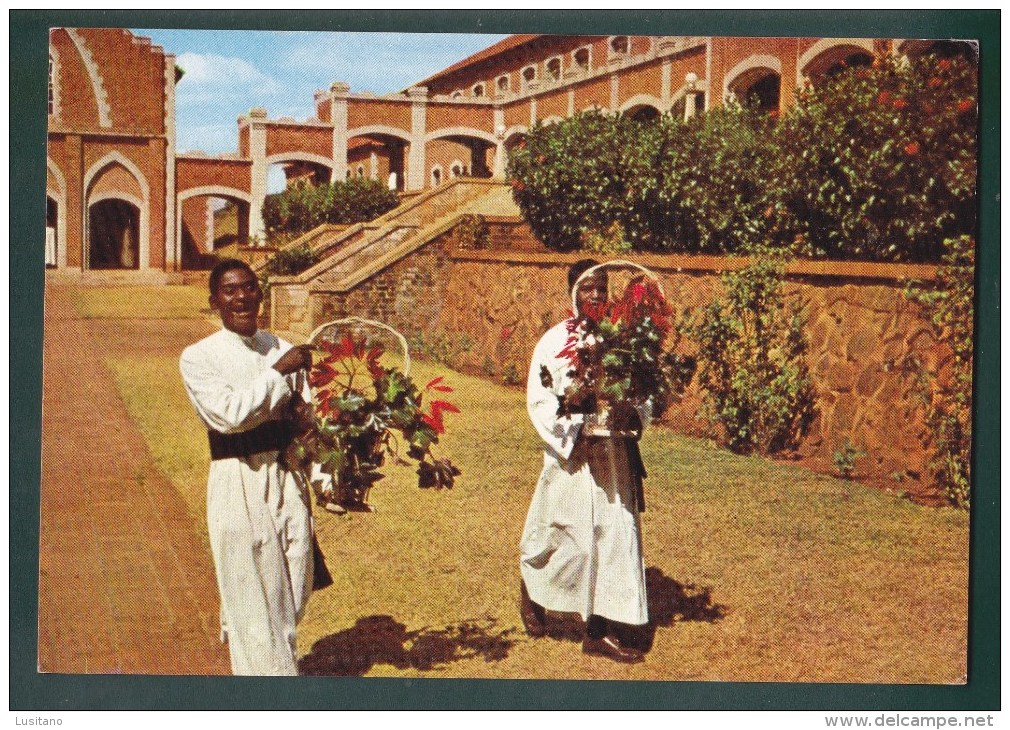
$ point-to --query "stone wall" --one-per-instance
(487, 309)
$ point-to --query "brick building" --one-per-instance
(120, 197)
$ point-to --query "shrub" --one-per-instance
(291, 261)
(949, 305)
(472, 232)
(752, 366)
(879, 164)
(300, 209)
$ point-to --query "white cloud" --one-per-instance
(210, 77)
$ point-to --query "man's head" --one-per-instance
(235, 293)
(592, 290)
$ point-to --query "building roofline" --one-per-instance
(506, 44)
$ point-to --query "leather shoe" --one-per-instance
(533, 620)
(609, 647)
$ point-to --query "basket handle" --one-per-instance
(617, 262)
(369, 323)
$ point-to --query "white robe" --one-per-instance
(581, 546)
(258, 513)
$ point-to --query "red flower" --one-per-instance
(965, 105)
(638, 291)
(899, 104)
(773, 114)
(541, 158)
(912, 148)
(883, 97)
(436, 384)
(435, 419)
(943, 64)
(934, 82)
(518, 185)
(508, 330)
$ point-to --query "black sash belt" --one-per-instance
(269, 436)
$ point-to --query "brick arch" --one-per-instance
(378, 129)
(552, 119)
(299, 157)
(828, 45)
(59, 194)
(95, 76)
(640, 100)
(212, 191)
(748, 66)
(513, 131)
(461, 132)
(142, 202)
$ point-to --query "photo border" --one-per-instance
(30, 690)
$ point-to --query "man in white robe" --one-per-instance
(241, 381)
(581, 546)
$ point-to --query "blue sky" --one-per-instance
(228, 72)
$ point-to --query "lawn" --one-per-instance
(758, 570)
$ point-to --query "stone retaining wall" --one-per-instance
(487, 308)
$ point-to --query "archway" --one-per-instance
(643, 114)
(380, 156)
(113, 234)
(474, 156)
(52, 231)
(758, 87)
(285, 174)
(821, 64)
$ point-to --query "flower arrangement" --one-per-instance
(619, 358)
(365, 412)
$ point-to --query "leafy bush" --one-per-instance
(752, 366)
(950, 306)
(874, 164)
(880, 163)
(291, 261)
(472, 232)
(300, 209)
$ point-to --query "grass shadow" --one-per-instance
(383, 640)
(670, 602)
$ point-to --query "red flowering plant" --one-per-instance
(365, 412)
(621, 355)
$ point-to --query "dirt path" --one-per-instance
(126, 581)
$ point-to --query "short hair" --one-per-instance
(222, 268)
(578, 269)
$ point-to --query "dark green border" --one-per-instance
(31, 691)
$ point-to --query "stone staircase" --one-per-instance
(364, 250)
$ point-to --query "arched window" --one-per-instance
(361, 171)
(456, 94)
(457, 169)
(529, 75)
(502, 84)
(478, 90)
(552, 69)
(436, 176)
(620, 45)
(581, 59)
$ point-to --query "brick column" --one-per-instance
(338, 117)
(173, 243)
(76, 218)
(415, 173)
(258, 186)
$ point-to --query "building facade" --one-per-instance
(119, 196)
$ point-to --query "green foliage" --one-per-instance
(752, 365)
(610, 242)
(948, 400)
(472, 232)
(440, 347)
(873, 164)
(880, 163)
(362, 413)
(846, 457)
(300, 209)
(291, 261)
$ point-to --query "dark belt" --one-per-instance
(269, 436)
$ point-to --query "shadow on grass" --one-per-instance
(670, 602)
(383, 640)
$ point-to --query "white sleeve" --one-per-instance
(226, 408)
(558, 432)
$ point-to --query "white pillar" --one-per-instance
(664, 87)
(258, 152)
(338, 118)
(613, 92)
(373, 165)
(499, 150)
(418, 129)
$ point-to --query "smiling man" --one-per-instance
(245, 383)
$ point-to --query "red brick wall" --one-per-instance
(283, 138)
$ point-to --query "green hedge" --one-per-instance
(876, 163)
(300, 209)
